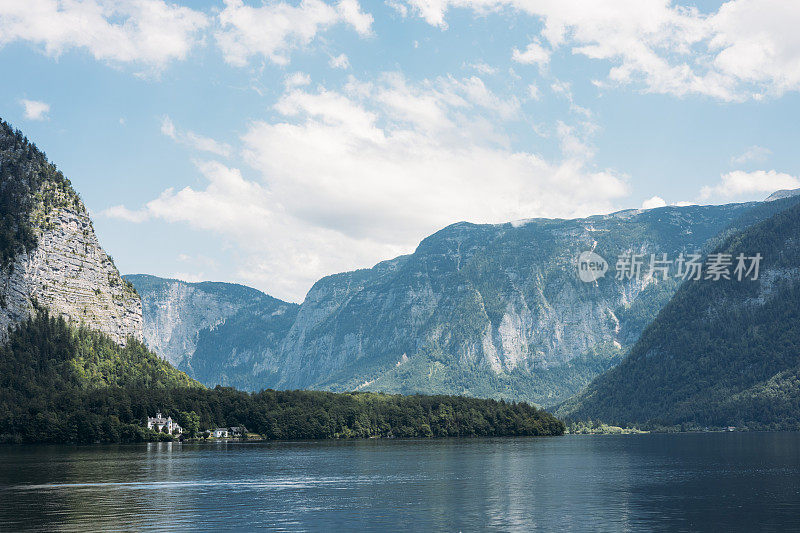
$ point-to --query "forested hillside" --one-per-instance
(59, 384)
(721, 352)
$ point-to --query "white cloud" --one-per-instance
(345, 178)
(562, 88)
(150, 32)
(745, 185)
(399, 7)
(751, 155)
(35, 110)
(168, 128)
(350, 11)
(574, 141)
(123, 213)
(653, 203)
(340, 61)
(533, 91)
(746, 49)
(482, 68)
(193, 140)
(296, 79)
(273, 30)
(533, 54)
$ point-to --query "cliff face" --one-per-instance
(490, 310)
(211, 329)
(51, 255)
(177, 311)
(70, 274)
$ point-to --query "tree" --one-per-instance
(190, 422)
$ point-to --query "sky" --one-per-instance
(273, 143)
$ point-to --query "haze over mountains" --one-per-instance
(484, 310)
(219, 332)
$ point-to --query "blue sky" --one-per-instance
(273, 143)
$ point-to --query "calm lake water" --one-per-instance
(724, 481)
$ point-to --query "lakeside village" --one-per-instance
(170, 428)
(166, 428)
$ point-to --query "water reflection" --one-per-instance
(671, 482)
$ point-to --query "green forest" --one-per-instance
(59, 384)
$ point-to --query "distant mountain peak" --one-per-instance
(780, 195)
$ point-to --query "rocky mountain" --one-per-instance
(218, 332)
(71, 354)
(482, 310)
(49, 254)
(780, 195)
(721, 353)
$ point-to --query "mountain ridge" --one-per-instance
(491, 310)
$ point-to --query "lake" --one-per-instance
(710, 481)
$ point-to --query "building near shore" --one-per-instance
(158, 423)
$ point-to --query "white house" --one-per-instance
(159, 423)
(220, 433)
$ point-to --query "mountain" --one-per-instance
(483, 310)
(70, 326)
(721, 352)
(780, 195)
(217, 332)
(49, 253)
(73, 370)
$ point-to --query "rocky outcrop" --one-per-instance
(49, 253)
(70, 274)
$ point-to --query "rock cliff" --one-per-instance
(179, 315)
(51, 255)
